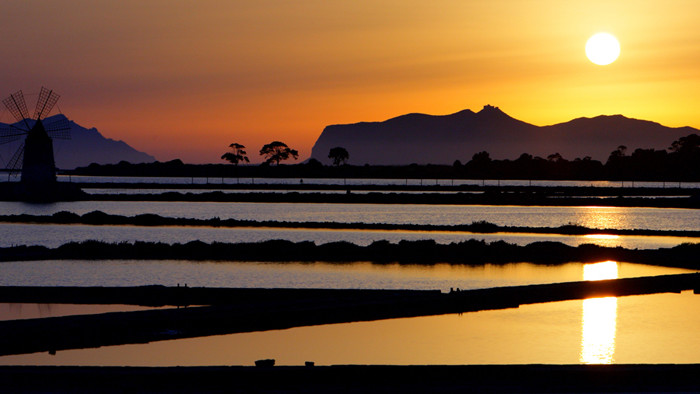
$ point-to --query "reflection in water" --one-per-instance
(599, 318)
(608, 240)
(602, 217)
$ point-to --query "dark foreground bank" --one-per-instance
(357, 378)
(247, 310)
(469, 252)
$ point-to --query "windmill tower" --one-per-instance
(35, 154)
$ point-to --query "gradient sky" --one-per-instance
(183, 79)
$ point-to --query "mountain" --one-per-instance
(86, 146)
(423, 139)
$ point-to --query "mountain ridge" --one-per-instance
(85, 147)
(442, 139)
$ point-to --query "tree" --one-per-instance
(277, 151)
(339, 155)
(555, 157)
(236, 155)
(686, 144)
(482, 157)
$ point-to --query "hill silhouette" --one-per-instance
(423, 139)
(86, 146)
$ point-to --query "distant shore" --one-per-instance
(631, 196)
(548, 198)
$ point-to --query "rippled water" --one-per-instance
(533, 216)
(296, 275)
(52, 235)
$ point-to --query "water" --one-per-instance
(53, 235)
(533, 216)
(16, 311)
(202, 191)
(640, 329)
(269, 191)
(361, 275)
(369, 181)
(643, 329)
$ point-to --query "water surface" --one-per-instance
(54, 235)
(645, 329)
(659, 328)
(525, 216)
(369, 181)
(362, 275)
(16, 311)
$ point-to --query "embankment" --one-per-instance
(470, 252)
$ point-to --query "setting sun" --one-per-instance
(602, 49)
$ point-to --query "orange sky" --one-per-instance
(183, 79)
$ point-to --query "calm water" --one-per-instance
(15, 311)
(640, 329)
(267, 191)
(52, 235)
(296, 275)
(367, 181)
(593, 217)
(643, 329)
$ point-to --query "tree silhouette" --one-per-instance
(277, 151)
(237, 154)
(339, 155)
(555, 157)
(686, 144)
(482, 157)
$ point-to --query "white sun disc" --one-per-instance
(602, 48)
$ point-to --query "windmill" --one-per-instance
(35, 153)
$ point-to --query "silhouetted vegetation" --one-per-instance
(339, 155)
(681, 163)
(470, 252)
(483, 227)
(277, 151)
(237, 154)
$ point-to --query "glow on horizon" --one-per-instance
(184, 80)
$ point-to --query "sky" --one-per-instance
(184, 79)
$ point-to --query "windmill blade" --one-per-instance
(47, 99)
(58, 127)
(9, 133)
(18, 107)
(15, 163)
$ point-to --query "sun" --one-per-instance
(602, 49)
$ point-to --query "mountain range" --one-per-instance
(431, 139)
(86, 146)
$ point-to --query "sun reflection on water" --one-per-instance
(601, 236)
(602, 217)
(599, 319)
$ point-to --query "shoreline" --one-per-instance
(469, 252)
(460, 198)
(616, 378)
(99, 218)
(672, 197)
(201, 311)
